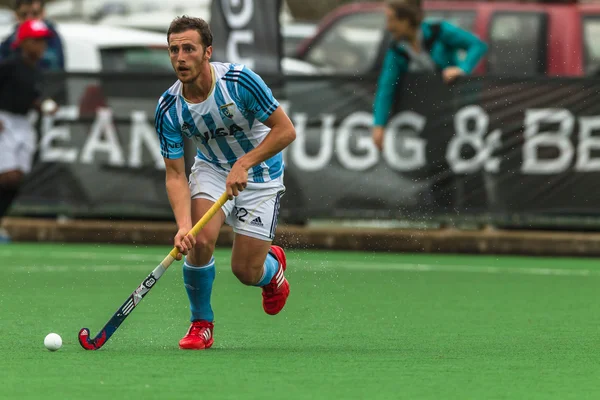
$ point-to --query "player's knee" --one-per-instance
(202, 251)
(245, 275)
(204, 244)
(11, 179)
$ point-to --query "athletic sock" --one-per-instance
(270, 268)
(198, 284)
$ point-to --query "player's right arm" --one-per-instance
(178, 191)
(394, 67)
(459, 38)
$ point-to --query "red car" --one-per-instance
(524, 39)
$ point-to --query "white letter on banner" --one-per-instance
(323, 157)
(560, 140)
(588, 143)
(364, 142)
(235, 39)
(243, 17)
(143, 134)
(103, 138)
(236, 21)
(404, 125)
(484, 147)
(50, 153)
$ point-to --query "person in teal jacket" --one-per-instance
(420, 46)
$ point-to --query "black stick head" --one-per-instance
(91, 344)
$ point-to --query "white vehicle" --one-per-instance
(7, 17)
(86, 10)
(93, 48)
(294, 33)
(154, 20)
(96, 48)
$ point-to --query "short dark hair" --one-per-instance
(18, 3)
(413, 3)
(185, 23)
(407, 9)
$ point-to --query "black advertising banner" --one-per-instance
(484, 146)
(248, 32)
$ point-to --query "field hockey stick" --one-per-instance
(134, 299)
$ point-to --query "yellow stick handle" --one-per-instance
(203, 221)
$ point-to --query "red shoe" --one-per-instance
(277, 291)
(198, 337)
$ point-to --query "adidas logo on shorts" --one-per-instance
(256, 222)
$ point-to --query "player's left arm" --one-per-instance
(258, 99)
(281, 136)
(459, 38)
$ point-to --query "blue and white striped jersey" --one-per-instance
(224, 127)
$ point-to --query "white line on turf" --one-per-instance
(324, 266)
(483, 269)
(82, 255)
(100, 256)
(75, 268)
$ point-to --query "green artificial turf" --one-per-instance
(356, 326)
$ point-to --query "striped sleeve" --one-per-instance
(169, 136)
(253, 92)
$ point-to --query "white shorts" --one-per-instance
(254, 212)
(17, 143)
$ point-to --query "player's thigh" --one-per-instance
(206, 186)
(254, 221)
(210, 232)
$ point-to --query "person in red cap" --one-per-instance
(54, 57)
(20, 93)
(34, 29)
